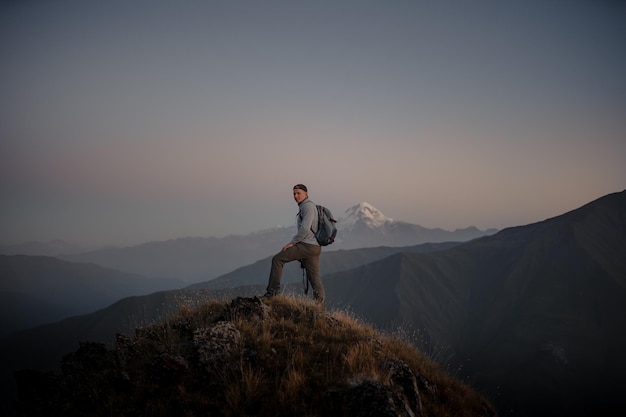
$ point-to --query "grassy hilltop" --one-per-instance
(250, 357)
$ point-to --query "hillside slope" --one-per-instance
(534, 315)
(333, 261)
(277, 357)
(41, 289)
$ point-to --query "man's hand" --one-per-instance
(287, 246)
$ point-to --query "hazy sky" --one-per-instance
(127, 121)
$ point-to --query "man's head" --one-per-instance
(300, 192)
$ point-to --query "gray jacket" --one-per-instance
(306, 219)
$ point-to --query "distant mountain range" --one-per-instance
(128, 313)
(40, 289)
(51, 248)
(533, 316)
(202, 259)
(364, 226)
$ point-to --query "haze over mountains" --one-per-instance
(52, 248)
(39, 289)
(202, 259)
(533, 316)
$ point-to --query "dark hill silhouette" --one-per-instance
(52, 248)
(534, 315)
(20, 311)
(42, 347)
(41, 289)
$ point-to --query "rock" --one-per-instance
(372, 398)
(403, 379)
(247, 308)
(215, 344)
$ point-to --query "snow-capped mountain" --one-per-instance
(363, 225)
(363, 213)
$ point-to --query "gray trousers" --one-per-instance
(310, 255)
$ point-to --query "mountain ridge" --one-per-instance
(524, 313)
(201, 259)
(60, 289)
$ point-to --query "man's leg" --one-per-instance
(312, 265)
(278, 261)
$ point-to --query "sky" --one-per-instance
(127, 121)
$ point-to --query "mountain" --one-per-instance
(363, 225)
(33, 248)
(39, 289)
(363, 215)
(533, 316)
(202, 259)
(333, 261)
(190, 259)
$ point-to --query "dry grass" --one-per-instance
(302, 352)
(284, 365)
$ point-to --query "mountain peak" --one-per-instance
(364, 213)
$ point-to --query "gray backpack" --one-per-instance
(326, 230)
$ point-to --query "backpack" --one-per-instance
(326, 230)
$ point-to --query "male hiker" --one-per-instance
(303, 246)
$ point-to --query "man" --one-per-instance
(303, 247)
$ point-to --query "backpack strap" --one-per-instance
(305, 279)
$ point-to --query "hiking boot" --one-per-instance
(272, 292)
